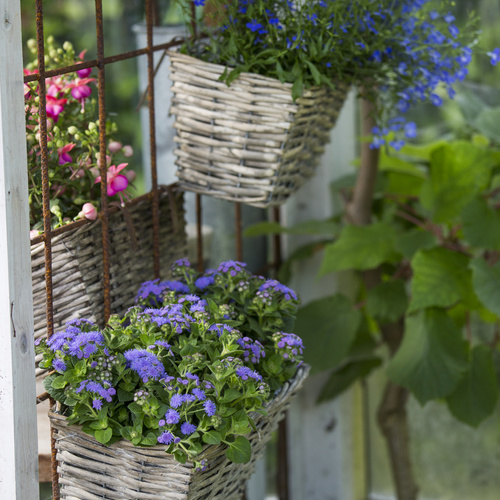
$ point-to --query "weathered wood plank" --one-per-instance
(18, 439)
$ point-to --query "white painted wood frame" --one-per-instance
(18, 436)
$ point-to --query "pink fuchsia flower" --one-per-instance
(116, 182)
(55, 107)
(83, 73)
(80, 90)
(89, 211)
(63, 153)
(54, 86)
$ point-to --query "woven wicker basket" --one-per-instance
(249, 142)
(77, 261)
(89, 470)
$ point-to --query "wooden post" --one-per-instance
(18, 436)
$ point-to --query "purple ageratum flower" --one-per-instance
(172, 417)
(233, 267)
(204, 282)
(166, 438)
(245, 373)
(148, 288)
(97, 404)
(276, 286)
(145, 364)
(220, 328)
(199, 3)
(59, 365)
(200, 394)
(176, 400)
(85, 344)
(177, 286)
(60, 339)
(187, 428)
(209, 407)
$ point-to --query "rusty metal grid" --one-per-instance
(100, 63)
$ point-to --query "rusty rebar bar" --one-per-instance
(103, 216)
(238, 232)
(152, 138)
(199, 233)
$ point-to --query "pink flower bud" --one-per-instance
(108, 161)
(114, 146)
(34, 233)
(80, 173)
(128, 151)
(130, 175)
(95, 171)
(89, 211)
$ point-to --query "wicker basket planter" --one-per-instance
(77, 260)
(249, 142)
(89, 470)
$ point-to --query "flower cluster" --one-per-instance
(72, 140)
(174, 370)
(397, 53)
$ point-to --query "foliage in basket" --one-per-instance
(180, 368)
(400, 53)
(73, 142)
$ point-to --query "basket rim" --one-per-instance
(162, 189)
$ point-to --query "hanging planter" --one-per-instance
(249, 142)
(90, 470)
(77, 259)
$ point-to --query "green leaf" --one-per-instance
(297, 87)
(387, 302)
(103, 436)
(486, 282)
(342, 378)
(422, 152)
(360, 248)
(264, 229)
(180, 456)
(328, 327)
(124, 396)
(239, 423)
(403, 184)
(481, 224)
(314, 72)
(240, 451)
(476, 396)
(487, 123)
(212, 437)
(432, 358)
(307, 227)
(59, 382)
(440, 279)
(409, 242)
(458, 171)
(230, 395)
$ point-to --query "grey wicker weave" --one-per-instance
(77, 261)
(250, 142)
(89, 470)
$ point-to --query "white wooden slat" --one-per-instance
(18, 436)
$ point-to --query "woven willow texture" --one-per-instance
(77, 261)
(249, 142)
(89, 470)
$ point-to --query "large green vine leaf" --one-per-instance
(432, 358)
(486, 282)
(476, 396)
(328, 328)
(361, 248)
(441, 278)
(458, 172)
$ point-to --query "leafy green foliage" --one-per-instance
(432, 358)
(476, 396)
(361, 248)
(328, 327)
(435, 246)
